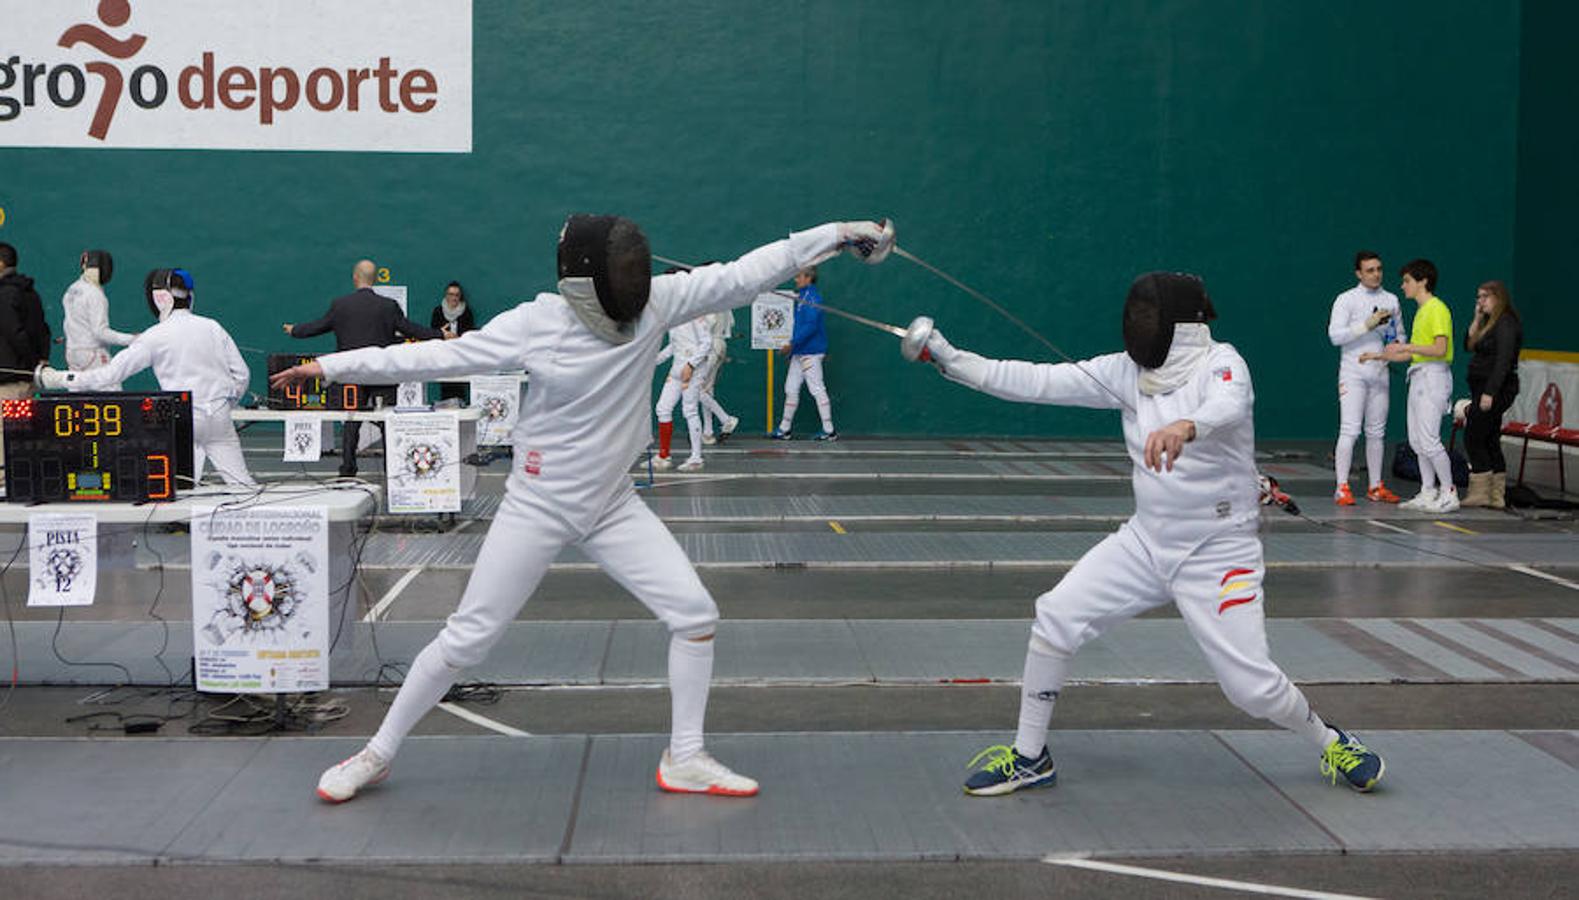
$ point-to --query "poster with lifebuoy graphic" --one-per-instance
(260, 599)
(422, 462)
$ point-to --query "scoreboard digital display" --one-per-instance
(126, 448)
(314, 394)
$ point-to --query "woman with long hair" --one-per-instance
(1494, 338)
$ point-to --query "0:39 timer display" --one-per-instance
(97, 447)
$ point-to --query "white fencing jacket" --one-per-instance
(588, 411)
(1346, 329)
(188, 353)
(88, 320)
(1213, 486)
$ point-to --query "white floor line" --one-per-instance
(1390, 527)
(1527, 570)
(393, 592)
(484, 721)
(1248, 887)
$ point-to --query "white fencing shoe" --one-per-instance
(340, 783)
(1421, 501)
(694, 464)
(702, 774)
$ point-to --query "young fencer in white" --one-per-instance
(590, 350)
(1363, 318)
(87, 316)
(689, 347)
(721, 327)
(189, 353)
(1192, 540)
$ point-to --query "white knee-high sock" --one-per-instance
(1343, 457)
(426, 683)
(1044, 678)
(1373, 459)
(690, 677)
(825, 410)
(789, 414)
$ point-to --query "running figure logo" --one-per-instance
(423, 461)
(64, 565)
(113, 13)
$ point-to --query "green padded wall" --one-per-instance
(1548, 191)
(1045, 152)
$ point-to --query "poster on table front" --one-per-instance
(499, 398)
(260, 599)
(772, 321)
(422, 464)
(63, 555)
(411, 394)
(303, 438)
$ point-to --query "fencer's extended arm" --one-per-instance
(495, 347)
(121, 366)
(683, 296)
(1229, 395)
(1093, 383)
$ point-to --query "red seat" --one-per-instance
(1515, 429)
(1568, 437)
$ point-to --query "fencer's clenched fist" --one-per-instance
(1168, 442)
(868, 241)
(296, 375)
(1377, 318)
(925, 343)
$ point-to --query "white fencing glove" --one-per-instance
(1377, 318)
(52, 379)
(867, 241)
(1460, 410)
(925, 343)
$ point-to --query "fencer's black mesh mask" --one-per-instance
(177, 281)
(613, 252)
(101, 260)
(1158, 301)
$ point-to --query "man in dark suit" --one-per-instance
(363, 318)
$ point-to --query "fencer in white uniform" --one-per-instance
(1192, 540)
(721, 327)
(1364, 319)
(590, 350)
(689, 348)
(189, 353)
(87, 316)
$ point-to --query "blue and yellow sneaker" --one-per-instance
(1357, 763)
(1006, 771)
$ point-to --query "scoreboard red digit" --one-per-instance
(314, 394)
(119, 447)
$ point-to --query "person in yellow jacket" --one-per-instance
(1429, 353)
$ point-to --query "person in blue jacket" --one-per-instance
(808, 345)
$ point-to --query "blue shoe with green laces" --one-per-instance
(1360, 766)
(1004, 771)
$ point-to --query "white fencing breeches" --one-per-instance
(214, 438)
(807, 369)
(1430, 387)
(1218, 592)
(629, 543)
(689, 397)
(1362, 402)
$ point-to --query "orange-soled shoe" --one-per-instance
(700, 773)
(1380, 494)
(1343, 496)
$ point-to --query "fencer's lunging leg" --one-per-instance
(635, 548)
(1220, 596)
(520, 545)
(1111, 583)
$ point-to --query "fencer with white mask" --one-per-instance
(1364, 318)
(87, 315)
(187, 352)
(1186, 403)
(589, 348)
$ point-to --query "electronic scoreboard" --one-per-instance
(317, 393)
(120, 447)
